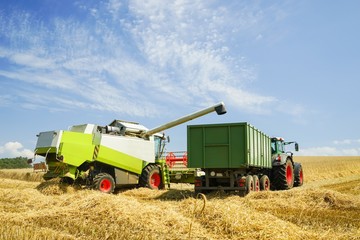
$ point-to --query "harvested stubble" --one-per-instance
(26, 174)
(326, 168)
(44, 210)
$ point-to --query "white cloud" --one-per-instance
(128, 64)
(319, 151)
(114, 7)
(345, 147)
(31, 60)
(329, 151)
(15, 149)
(187, 38)
(5, 100)
(346, 141)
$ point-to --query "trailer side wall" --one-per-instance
(229, 145)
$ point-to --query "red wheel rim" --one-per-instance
(266, 185)
(289, 174)
(155, 180)
(105, 185)
(301, 176)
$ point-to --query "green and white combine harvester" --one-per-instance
(105, 157)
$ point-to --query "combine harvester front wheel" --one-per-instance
(151, 177)
(104, 182)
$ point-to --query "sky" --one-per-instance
(289, 68)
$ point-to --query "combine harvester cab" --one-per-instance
(119, 154)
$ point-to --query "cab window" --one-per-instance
(280, 146)
(277, 146)
(273, 147)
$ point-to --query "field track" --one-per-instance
(326, 207)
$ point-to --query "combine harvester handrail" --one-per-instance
(176, 157)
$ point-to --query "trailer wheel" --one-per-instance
(283, 176)
(298, 175)
(104, 182)
(151, 177)
(256, 183)
(249, 183)
(264, 183)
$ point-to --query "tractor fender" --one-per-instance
(283, 158)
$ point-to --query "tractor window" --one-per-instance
(273, 147)
(277, 147)
(280, 146)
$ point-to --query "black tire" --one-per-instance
(256, 183)
(282, 177)
(104, 182)
(199, 189)
(151, 177)
(241, 182)
(264, 183)
(249, 183)
(298, 175)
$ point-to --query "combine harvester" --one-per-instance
(239, 157)
(120, 154)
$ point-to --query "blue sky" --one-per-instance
(290, 68)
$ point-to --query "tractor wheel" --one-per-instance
(104, 182)
(256, 183)
(249, 183)
(264, 183)
(298, 175)
(151, 177)
(283, 176)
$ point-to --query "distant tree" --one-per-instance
(11, 163)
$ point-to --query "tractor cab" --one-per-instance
(278, 146)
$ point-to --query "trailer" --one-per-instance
(239, 157)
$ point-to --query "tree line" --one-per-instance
(11, 163)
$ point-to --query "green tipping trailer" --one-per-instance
(239, 157)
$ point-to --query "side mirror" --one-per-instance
(168, 139)
(296, 147)
(29, 161)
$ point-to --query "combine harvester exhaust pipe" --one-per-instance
(219, 108)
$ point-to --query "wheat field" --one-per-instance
(327, 206)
